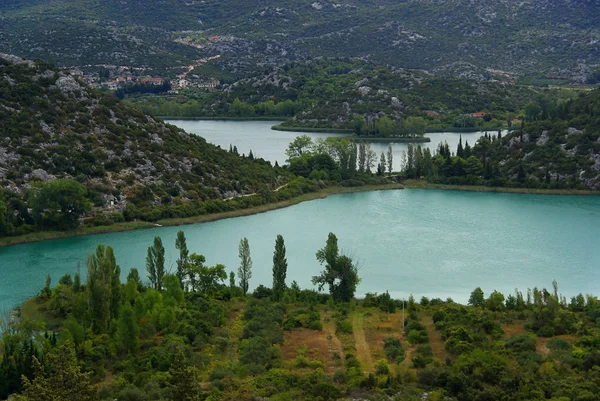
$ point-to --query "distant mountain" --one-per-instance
(53, 127)
(557, 37)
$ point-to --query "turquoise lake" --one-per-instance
(420, 242)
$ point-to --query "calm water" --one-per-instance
(424, 242)
(271, 145)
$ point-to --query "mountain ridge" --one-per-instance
(529, 37)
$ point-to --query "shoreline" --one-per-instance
(391, 139)
(205, 218)
(222, 118)
(419, 184)
(279, 127)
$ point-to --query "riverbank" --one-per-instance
(421, 184)
(280, 127)
(223, 118)
(391, 139)
(137, 225)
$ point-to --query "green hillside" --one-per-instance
(128, 164)
(528, 37)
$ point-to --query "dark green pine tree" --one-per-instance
(279, 269)
(184, 380)
(460, 152)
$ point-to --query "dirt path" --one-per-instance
(363, 352)
(334, 345)
(435, 338)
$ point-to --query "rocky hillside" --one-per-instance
(556, 37)
(53, 127)
(562, 147)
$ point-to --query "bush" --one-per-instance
(339, 376)
(393, 349)
(558, 343)
(343, 326)
(382, 368)
(417, 337)
(521, 342)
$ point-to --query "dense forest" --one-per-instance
(202, 333)
(557, 146)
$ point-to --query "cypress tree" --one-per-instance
(245, 269)
(279, 268)
(181, 245)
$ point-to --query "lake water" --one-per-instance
(271, 145)
(424, 242)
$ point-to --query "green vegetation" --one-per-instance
(103, 340)
(556, 148)
(537, 39)
(338, 95)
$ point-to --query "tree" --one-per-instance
(135, 276)
(381, 165)
(362, 157)
(58, 204)
(410, 161)
(128, 329)
(245, 269)
(103, 288)
(301, 145)
(477, 297)
(385, 126)
(184, 379)
(370, 157)
(181, 245)
(340, 274)
(205, 279)
(62, 380)
(358, 124)
(155, 263)
(3, 221)
(390, 156)
(279, 268)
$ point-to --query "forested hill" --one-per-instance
(530, 36)
(561, 143)
(55, 128)
(557, 147)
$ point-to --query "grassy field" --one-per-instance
(135, 225)
(422, 184)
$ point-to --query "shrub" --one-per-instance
(393, 348)
(521, 342)
(382, 368)
(339, 376)
(558, 343)
(343, 326)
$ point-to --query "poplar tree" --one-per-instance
(279, 268)
(245, 269)
(128, 329)
(155, 263)
(362, 157)
(390, 156)
(103, 287)
(381, 165)
(181, 245)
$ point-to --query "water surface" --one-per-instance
(271, 145)
(424, 242)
